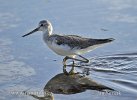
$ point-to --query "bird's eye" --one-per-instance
(42, 25)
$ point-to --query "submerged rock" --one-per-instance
(71, 84)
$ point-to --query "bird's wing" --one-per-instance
(75, 41)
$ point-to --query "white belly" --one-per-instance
(62, 50)
(65, 50)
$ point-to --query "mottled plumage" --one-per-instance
(75, 41)
(67, 45)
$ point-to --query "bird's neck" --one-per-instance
(47, 33)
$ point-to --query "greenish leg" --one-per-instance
(64, 65)
(64, 70)
(72, 69)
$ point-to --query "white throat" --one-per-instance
(47, 32)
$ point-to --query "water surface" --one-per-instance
(26, 64)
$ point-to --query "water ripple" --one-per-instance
(120, 70)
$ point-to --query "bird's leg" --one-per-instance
(64, 65)
(72, 69)
(64, 60)
(64, 69)
(85, 60)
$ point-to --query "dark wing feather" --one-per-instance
(72, 41)
(79, 42)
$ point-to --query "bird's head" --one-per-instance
(44, 26)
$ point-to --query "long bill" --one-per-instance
(35, 30)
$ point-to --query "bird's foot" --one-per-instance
(72, 71)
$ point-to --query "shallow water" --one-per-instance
(26, 64)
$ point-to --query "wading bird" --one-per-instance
(69, 46)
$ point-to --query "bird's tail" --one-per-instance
(95, 43)
(101, 41)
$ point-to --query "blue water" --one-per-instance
(27, 63)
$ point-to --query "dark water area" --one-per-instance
(28, 68)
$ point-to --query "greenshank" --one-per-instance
(69, 46)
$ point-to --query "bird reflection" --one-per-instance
(65, 83)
